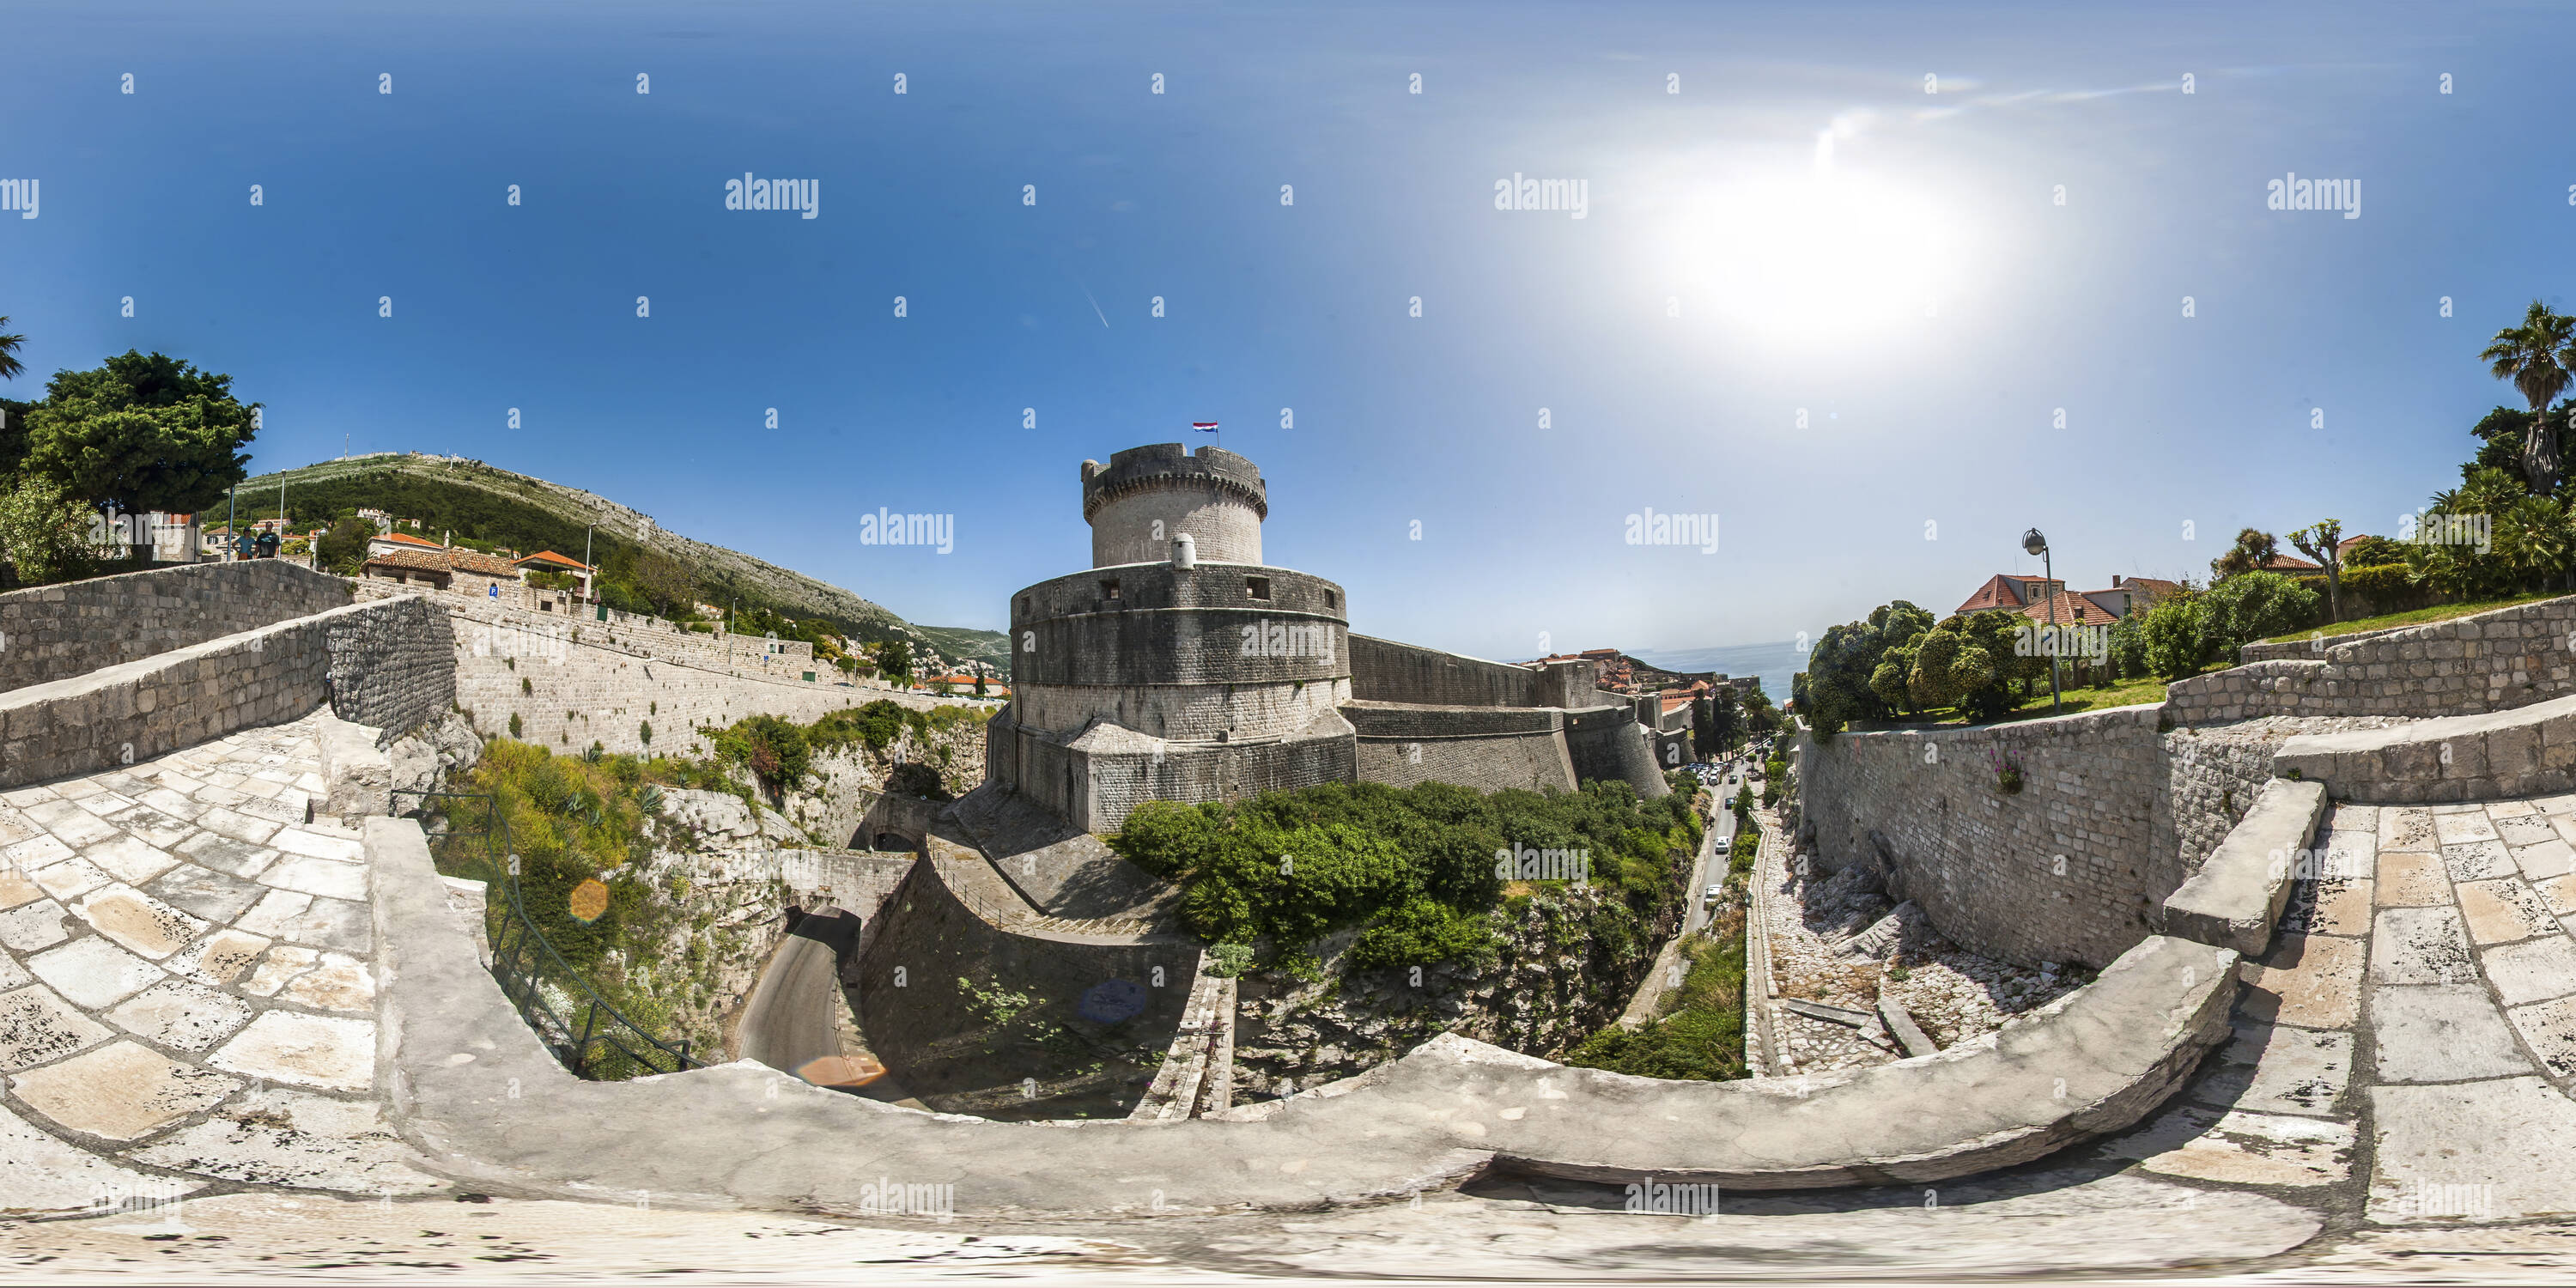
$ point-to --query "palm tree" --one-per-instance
(10, 367)
(2533, 356)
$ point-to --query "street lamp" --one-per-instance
(2036, 544)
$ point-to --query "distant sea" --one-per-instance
(1774, 663)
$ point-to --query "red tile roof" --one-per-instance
(548, 556)
(2071, 609)
(2000, 591)
(405, 539)
(2285, 563)
(440, 559)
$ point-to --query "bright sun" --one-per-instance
(1821, 257)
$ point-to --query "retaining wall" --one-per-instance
(2129, 811)
(2511, 657)
(54, 632)
(940, 1042)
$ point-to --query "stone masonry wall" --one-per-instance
(569, 692)
(51, 632)
(1926, 808)
(392, 666)
(1386, 671)
(2496, 661)
(136, 710)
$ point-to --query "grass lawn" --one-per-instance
(2121, 693)
(2437, 613)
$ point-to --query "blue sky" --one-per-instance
(1919, 293)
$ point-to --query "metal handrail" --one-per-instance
(525, 963)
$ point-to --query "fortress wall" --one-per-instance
(1183, 712)
(2494, 661)
(1534, 762)
(1607, 742)
(51, 632)
(569, 693)
(1385, 671)
(1094, 788)
(1484, 748)
(628, 632)
(2131, 811)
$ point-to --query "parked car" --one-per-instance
(1714, 891)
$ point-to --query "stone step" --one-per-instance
(2525, 751)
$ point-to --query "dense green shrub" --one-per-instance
(2253, 606)
(2175, 645)
(1416, 866)
(1700, 1034)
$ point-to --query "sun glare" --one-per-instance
(1819, 257)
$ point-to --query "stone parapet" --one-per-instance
(135, 710)
(474, 1089)
(54, 632)
(2235, 899)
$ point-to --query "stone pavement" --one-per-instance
(2420, 1000)
(186, 993)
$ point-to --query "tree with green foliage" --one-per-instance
(2254, 550)
(1969, 661)
(1844, 663)
(2257, 605)
(2175, 645)
(142, 433)
(10, 367)
(774, 750)
(344, 548)
(2535, 356)
(2487, 537)
(894, 661)
(44, 534)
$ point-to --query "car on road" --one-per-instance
(1714, 891)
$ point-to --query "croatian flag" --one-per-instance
(1204, 426)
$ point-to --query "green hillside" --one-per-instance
(487, 507)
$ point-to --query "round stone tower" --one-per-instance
(1171, 669)
(1146, 496)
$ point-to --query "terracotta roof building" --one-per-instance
(2010, 591)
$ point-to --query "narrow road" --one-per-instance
(1713, 855)
(789, 1023)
